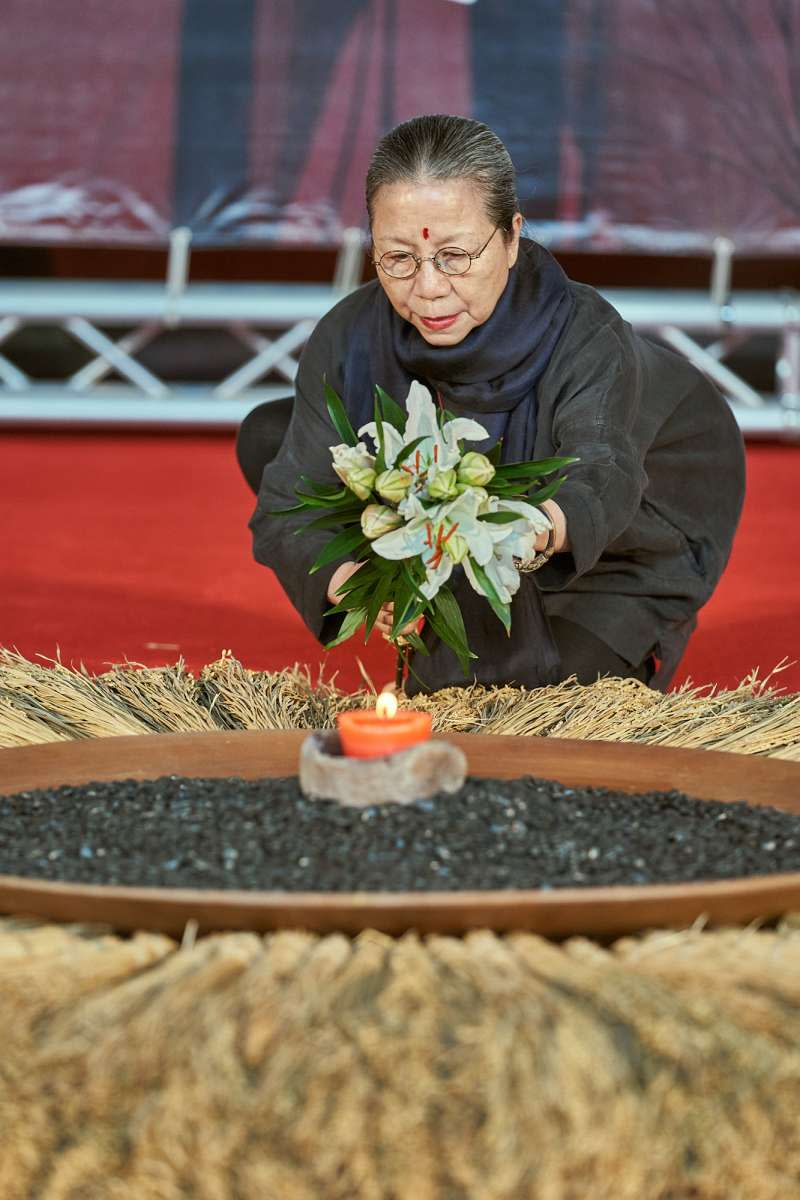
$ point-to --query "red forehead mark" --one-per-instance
(425, 233)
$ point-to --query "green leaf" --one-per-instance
(355, 594)
(333, 520)
(354, 598)
(501, 609)
(406, 607)
(339, 417)
(546, 492)
(284, 512)
(409, 448)
(416, 643)
(501, 518)
(392, 412)
(362, 578)
(349, 626)
(495, 452)
(380, 594)
(344, 543)
(449, 610)
(328, 490)
(409, 572)
(316, 501)
(380, 457)
(535, 468)
(447, 623)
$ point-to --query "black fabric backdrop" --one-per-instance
(649, 125)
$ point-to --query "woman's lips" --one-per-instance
(437, 323)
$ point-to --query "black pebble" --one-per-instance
(266, 835)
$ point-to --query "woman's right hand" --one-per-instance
(385, 617)
(339, 577)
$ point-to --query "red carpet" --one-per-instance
(135, 546)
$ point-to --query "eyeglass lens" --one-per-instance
(449, 260)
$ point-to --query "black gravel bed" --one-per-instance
(266, 835)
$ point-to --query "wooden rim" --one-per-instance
(595, 912)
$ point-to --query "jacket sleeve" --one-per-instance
(595, 419)
(281, 542)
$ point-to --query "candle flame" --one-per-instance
(386, 705)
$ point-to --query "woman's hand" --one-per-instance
(339, 577)
(385, 617)
(556, 515)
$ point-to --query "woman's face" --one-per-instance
(423, 218)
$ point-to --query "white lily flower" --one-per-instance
(427, 533)
(439, 448)
(410, 507)
(533, 514)
(481, 493)
(349, 458)
(522, 534)
(500, 568)
(457, 547)
(511, 541)
(393, 441)
(418, 538)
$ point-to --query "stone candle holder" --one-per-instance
(326, 773)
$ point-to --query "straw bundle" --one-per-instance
(300, 1067)
(40, 702)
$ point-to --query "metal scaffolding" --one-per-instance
(273, 321)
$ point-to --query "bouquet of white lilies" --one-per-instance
(417, 505)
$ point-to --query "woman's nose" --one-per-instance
(430, 283)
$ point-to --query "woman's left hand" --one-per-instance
(385, 617)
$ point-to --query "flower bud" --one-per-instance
(457, 547)
(392, 485)
(360, 480)
(480, 493)
(377, 519)
(444, 485)
(475, 469)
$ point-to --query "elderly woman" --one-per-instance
(486, 318)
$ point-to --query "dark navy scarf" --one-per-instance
(491, 375)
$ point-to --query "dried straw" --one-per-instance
(70, 702)
(166, 699)
(666, 1067)
(298, 1067)
(39, 703)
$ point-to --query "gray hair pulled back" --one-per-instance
(440, 146)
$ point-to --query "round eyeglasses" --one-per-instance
(450, 260)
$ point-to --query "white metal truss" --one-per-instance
(274, 321)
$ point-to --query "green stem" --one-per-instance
(400, 669)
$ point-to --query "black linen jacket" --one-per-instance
(651, 507)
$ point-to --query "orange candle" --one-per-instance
(384, 731)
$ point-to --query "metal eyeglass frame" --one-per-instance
(376, 262)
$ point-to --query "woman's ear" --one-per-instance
(512, 245)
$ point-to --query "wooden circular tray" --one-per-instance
(595, 912)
